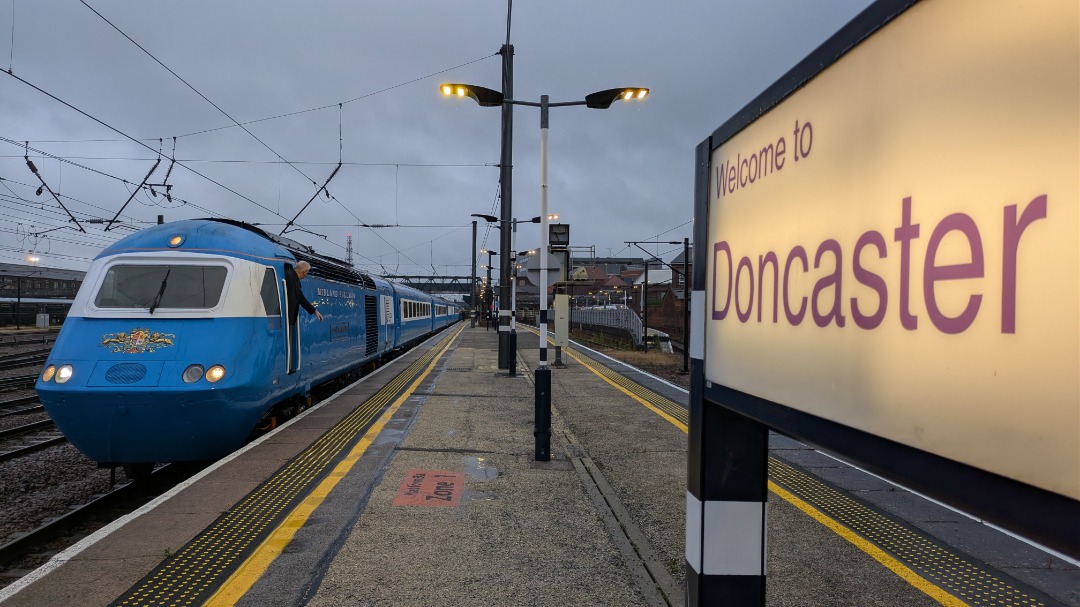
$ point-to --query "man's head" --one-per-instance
(302, 269)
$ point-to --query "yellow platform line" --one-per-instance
(879, 555)
(256, 565)
(678, 424)
(892, 564)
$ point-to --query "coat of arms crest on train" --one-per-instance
(137, 341)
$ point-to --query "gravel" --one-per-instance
(44, 485)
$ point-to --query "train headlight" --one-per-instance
(64, 373)
(215, 373)
(48, 373)
(193, 374)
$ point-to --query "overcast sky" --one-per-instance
(412, 158)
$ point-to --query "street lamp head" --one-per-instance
(602, 100)
(484, 96)
(487, 218)
(488, 251)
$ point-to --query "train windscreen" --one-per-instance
(161, 287)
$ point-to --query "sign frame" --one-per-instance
(716, 410)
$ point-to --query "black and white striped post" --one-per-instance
(542, 375)
(727, 465)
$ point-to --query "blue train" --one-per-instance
(178, 343)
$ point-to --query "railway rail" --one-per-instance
(100, 510)
(20, 406)
(28, 438)
(18, 381)
(23, 339)
(23, 359)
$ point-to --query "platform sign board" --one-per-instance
(891, 251)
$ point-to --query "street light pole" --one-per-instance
(506, 165)
(472, 292)
(18, 302)
(512, 343)
(489, 302)
(542, 375)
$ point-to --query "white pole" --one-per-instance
(542, 375)
(543, 228)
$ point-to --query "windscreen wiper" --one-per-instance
(161, 291)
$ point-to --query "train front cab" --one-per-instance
(186, 380)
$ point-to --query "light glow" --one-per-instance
(215, 373)
(64, 373)
(447, 89)
(642, 93)
(47, 375)
(460, 91)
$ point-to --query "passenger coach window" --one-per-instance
(270, 293)
(161, 287)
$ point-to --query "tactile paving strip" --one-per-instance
(943, 567)
(663, 404)
(952, 572)
(204, 563)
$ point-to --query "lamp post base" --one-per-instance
(513, 352)
(504, 359)
(542, 414)
(558, 364)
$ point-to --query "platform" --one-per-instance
(417, 486)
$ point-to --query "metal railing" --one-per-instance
(624, 319)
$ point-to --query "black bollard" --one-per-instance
(513, 352)
(542, 414)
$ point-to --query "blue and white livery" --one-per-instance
(178, 344)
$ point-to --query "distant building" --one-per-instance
(26, 291)
(38, 282)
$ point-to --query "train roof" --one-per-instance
(236, 238)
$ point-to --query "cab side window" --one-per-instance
(269, 292)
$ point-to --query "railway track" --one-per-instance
(28, 338)
(20, 406)
(23, 359)
(18, 381)
(101, 510)
(28, 438)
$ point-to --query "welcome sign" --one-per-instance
(895, 247)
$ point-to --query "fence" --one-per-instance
(624, 320)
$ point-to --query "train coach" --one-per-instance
(178, 343)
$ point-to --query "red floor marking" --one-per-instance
(430, 488)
